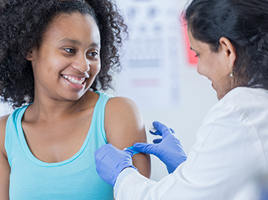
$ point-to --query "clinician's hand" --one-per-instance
(168, 149)
(110, 161)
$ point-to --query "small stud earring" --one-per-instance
(231, 73)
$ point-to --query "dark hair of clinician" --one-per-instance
(245, 24)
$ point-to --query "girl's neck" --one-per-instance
(54, 110)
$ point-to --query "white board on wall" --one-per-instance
(151, 63)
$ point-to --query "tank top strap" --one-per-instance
(11, 135)
(99, 114)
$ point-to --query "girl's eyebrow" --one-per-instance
(71, 40)
(93, 44)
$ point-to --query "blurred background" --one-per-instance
(159, 72)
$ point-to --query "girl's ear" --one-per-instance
(228, 50)
(30, 56)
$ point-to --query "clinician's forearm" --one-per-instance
(120, 178)
(138, 186)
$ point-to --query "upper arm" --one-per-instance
(4, 165)
(124, 127)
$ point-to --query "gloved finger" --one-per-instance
(172, 131)
(134, 151)
(163, 129)
(155, 133)
(107, 153)
(157, 141)
(101, 154)
(102, 151)
(145, 148)
(129, 152)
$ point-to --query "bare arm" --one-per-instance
(4, 165)
(124, 127)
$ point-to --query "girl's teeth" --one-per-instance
(73, 80)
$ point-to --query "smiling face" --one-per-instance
(216, 66)
(68, 60)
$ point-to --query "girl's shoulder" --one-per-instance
(115, 105)
(123, 118)
(121, 106)
(124, 127)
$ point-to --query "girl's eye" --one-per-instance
(197, 55)
(69, 50)
(93, 54)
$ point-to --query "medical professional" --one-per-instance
(230, 39)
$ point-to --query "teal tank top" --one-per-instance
(72, 179)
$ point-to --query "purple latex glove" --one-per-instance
(168, 149)
(110, 161)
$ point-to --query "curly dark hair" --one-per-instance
(22, 25)
(245, 24)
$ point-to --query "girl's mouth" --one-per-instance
(75, 80)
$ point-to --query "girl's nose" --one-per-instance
(82, 64)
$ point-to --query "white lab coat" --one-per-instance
(231, 151)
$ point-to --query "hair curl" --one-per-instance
(22, 25)
(245, 24)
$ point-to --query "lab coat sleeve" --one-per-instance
(130, 172)
(219, 165)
